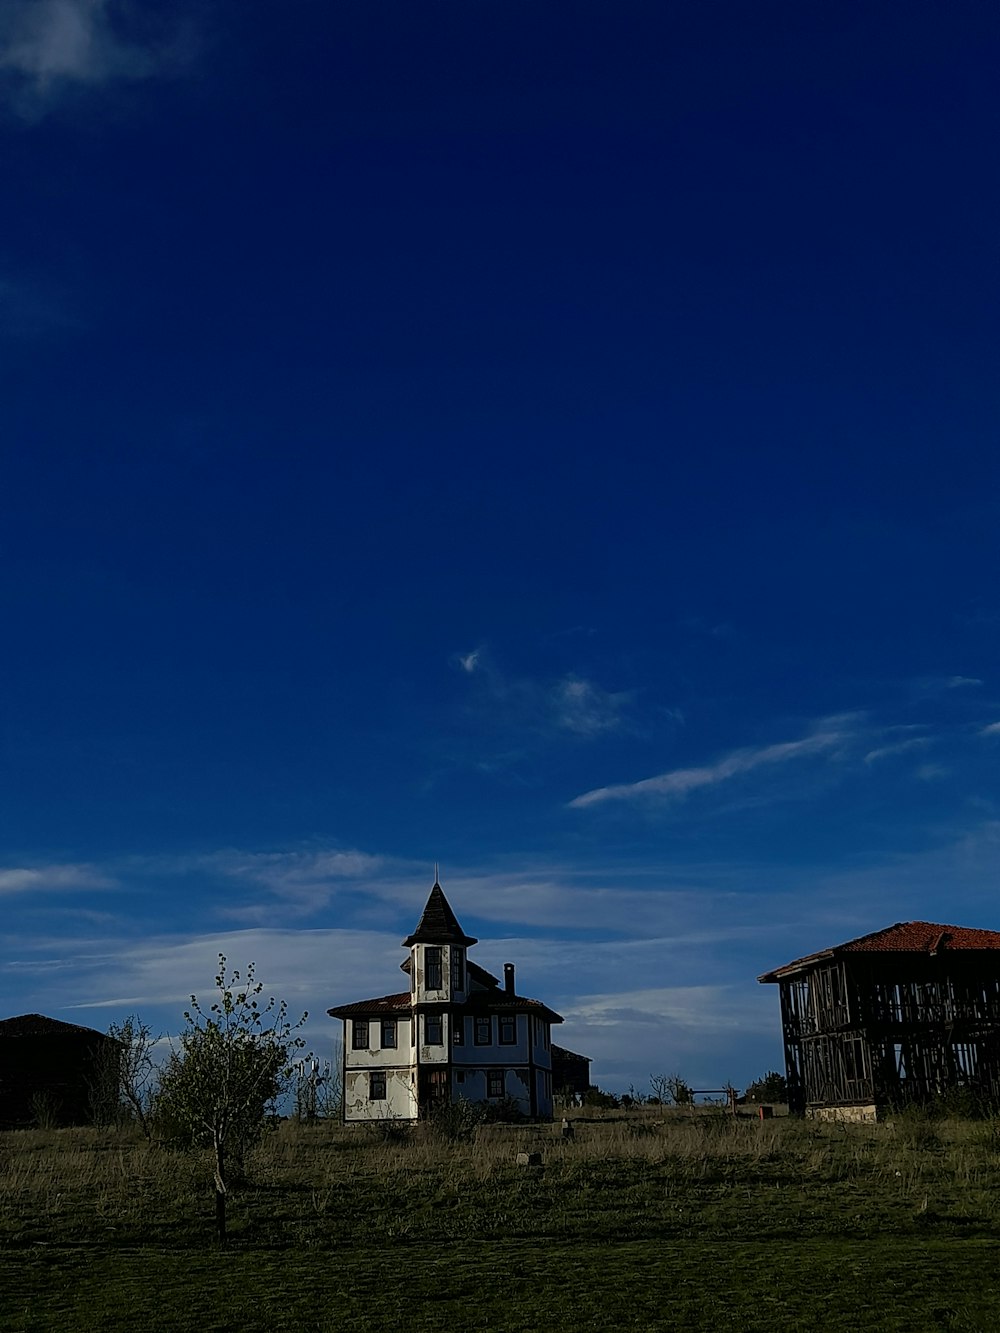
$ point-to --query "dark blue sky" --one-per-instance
(557, 440)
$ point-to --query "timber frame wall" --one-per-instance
(891, 1029)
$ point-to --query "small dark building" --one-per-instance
(51, 1071)
(901, 1016)
(570, 1073)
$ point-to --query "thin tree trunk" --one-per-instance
(220, 1192)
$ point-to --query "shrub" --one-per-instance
(773, 1087)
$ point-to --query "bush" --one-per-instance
(773, 1087)
(595, 1096)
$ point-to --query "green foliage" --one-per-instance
(596, 1096)
(221, 1089)
(771, 1089)
(457, 1121)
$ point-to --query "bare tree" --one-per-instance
(136, 1068)
(669, 1088)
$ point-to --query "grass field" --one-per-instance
(658, 1221)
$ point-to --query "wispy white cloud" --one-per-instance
(992, 730)
(699, 1007)
(52, 879)
(49, 46)
(896, 747)
(829, 738)
(570, 703)
(304, 881)
(582, 707)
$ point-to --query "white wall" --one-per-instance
(400, 1097)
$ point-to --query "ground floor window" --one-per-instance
(433, 1030)
(376, 1085)
(494, 1083)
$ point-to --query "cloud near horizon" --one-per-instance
(52, 878)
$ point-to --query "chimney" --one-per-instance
(508, 978)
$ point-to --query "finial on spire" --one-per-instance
(436, 876)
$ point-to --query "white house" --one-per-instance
(456, 1033)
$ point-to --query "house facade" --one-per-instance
(904, 1015)
(456, 1033)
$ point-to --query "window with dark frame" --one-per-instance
(359, 1034)
(494, 1083)
(432, 967)
(433, 1030)
(458, 1030)
(388, 1032)
(484, 1031)
(508, 1029)
(457, 970)
(376, 1085)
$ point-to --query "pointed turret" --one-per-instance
(437, 953)
(438, 924)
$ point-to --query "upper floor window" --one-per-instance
(508, 1029)
(359, 1034)
(458, 1030)
(388, 1032)
(433, 1030)
(457, 970)
(432, 967)
(484, 1031)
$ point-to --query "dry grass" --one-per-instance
(634, 1204)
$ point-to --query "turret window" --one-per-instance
(432, 968)
(433, 1035)
(457, 970)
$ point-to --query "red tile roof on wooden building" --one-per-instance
(913, 937)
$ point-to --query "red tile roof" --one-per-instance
(385, 1004)
(925, 937)
(497, 1001)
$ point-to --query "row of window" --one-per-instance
(377, 1084)
(482, 1031)
(361, 1033)
(434, 972)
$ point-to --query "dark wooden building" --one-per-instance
(51, 1072)
(901, 1016)
(570, 1073)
